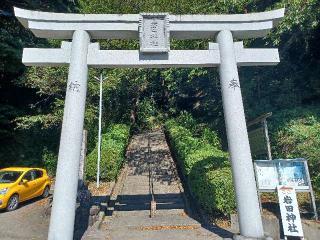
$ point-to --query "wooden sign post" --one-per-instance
(289, 209)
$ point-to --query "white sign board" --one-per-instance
(267, 176)
(293, 173)
(154, 33)
(289, 209)
(288, 172)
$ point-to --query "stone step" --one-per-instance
(146, 213)
(158, 197)
(145, 185)
(146, 163)
(95, 235)
(170, 232)
(141, 191)
(132, 221)
(143, 180)
(136, 161)
(160, 202)
(146, 206)
(173, 234)
(142, 170)
(129, 200)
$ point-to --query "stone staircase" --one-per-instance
(130, 214)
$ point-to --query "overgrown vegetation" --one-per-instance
(295, 133)
(113, 148)
(205, 166)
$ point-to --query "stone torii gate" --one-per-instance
(154, 31)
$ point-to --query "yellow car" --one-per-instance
(18, 184)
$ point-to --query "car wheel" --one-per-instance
(46, 192)
(13, 202)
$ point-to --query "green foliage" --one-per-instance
(296, 134)
(50, 160)
(113, 147)
(148, 115)
(183, 144)
(20, 101)
(205, 165)
(214, 188)
(186, 120)
(294, 82)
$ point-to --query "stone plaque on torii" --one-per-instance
(154, 31)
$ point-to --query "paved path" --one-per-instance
(131, 217)
(29, 221)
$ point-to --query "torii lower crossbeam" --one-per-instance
(134, 59)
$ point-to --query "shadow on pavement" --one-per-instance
(84, 214)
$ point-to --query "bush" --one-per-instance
(205, 166)
(148, 116)
(202, 131)
(296, 134)
(50, 160)
(113, 147)
(186, 120)
(213, 187)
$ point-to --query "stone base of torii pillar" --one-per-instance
(240, 237)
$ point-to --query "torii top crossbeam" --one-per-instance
(129, 26)
(125, 26)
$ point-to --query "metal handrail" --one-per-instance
(151, 179)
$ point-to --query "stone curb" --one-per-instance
(113, 197)
(98, 223)
(116, 189)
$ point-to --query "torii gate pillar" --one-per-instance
(65, 191)
(250, 222)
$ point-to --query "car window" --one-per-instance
(9, 176)
(38, 173)
(30, 175)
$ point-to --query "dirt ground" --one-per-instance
(270, 205)
(29, 221)
(104, 189)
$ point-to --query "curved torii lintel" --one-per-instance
(126, 26)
